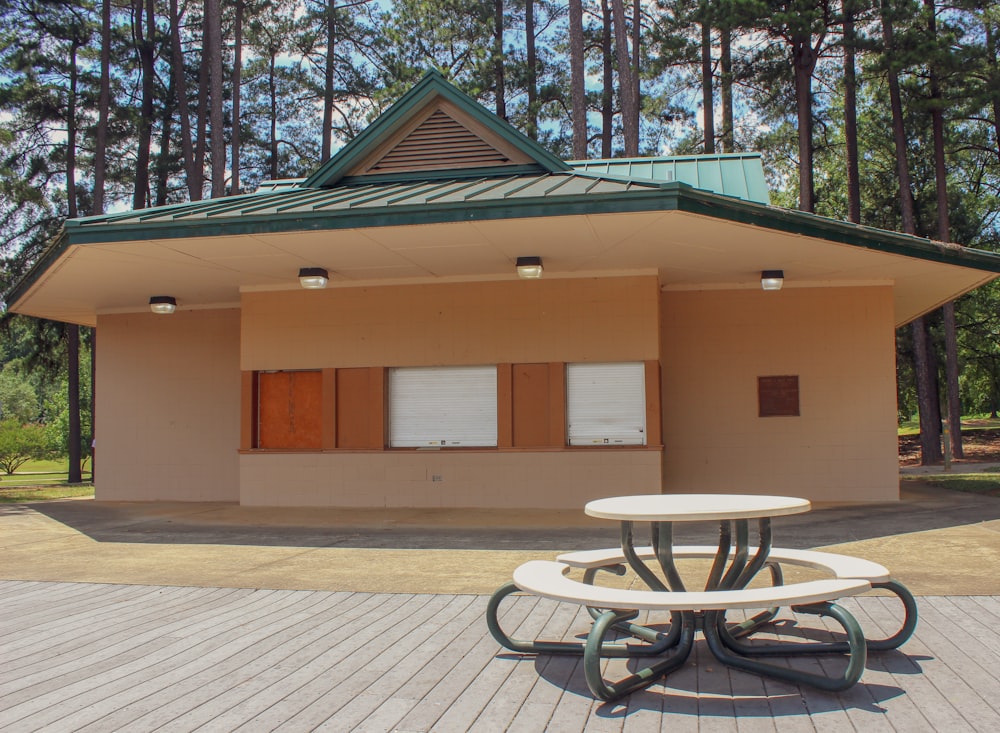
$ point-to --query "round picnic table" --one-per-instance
(613, 610)
(732, 511)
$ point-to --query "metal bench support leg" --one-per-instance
(909, 625)
(658, 642)
(909, 619)
(741, 629)
(857, 650)
(596, 649)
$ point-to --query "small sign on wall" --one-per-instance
(778, 396)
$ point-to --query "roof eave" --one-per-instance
(54, 250)
(665, 197)
(835, 230)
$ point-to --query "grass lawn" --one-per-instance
(22, 494)
(969, 422)
(38, 480)
(973, 483)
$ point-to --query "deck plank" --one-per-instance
(938, 693)
(379, 667)
(124, 701)
(189, 683)
(91, 657)
(85, 603)
(53, 643)
(120, 665)
(885, 704)
(213, 683)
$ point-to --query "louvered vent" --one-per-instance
(440, 142)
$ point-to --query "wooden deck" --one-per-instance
(94, 657)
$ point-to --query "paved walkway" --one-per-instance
(937, 542)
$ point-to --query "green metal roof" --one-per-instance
(293, 207)
(723, 187)
(734, 174)
(485, 199)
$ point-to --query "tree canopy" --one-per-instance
(132, 103)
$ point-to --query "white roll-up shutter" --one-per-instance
(443, 406)
(606, 404)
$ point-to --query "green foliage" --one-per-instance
(57, 418)
(33, 380)
(20, 443)
(18, 400)
(983, 483)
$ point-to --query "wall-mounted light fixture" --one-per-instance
(529, 268)
(772, 279)
(163, 304)
(313, 278)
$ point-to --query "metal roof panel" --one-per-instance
(740, 175)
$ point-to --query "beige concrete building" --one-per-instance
(425, 372)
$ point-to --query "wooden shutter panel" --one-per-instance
(289, 410)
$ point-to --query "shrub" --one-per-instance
(20, 444)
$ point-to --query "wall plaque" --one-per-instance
(778, 396)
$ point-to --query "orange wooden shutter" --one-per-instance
(290, 410)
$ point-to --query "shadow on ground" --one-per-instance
(921, 508)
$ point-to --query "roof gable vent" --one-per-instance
(440, 138)
(439, 142)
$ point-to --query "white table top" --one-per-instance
(694, 507)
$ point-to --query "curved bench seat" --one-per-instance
(547, 578)
(839, 566)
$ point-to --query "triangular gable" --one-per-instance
(435, 128)
(440, 139)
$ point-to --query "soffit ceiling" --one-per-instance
(686, 251)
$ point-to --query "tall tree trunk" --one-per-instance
(993, 81)
(954, 403)
(804, 63)
(851, 115)
(498, 59)
(93, 404)
(707, 97)
(578, 94)
(217, 137)
(201, 132)
(728, 136)
(272, 92)
(927, 397)
(73, 378)
(72, 330)
(103, 111)
(607, 95)
(626, 85)
(183, 112)
(328, 78)
(237, 74)
(636, 58)
(163, 156)
(144, 37)
(71, 125)
(531, 57)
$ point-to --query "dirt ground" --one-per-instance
(979, 445)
